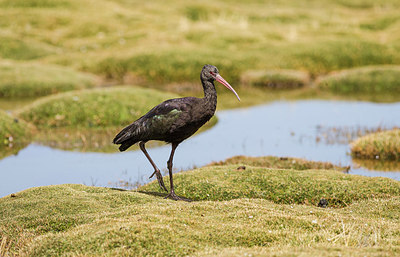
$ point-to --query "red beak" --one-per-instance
(226, 84)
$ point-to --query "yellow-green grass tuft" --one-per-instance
(98, 108)
(384, 145)
(32, 79)
(278, 163)
(364, 80)
(219, 183)
(275, 79)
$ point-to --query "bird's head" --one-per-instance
(211, 73)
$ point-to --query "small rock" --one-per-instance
(241, 168)
(13, 195)
(323, 203)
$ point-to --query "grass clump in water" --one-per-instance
(384, 145)
(275, 79)
(382, 80)
(32, 80)
(97, 108)
(14, 134)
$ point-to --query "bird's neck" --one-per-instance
(210, 95)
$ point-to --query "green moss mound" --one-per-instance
(384, 145)
(365, 80)
(32, 80)
(278, 185)
(98, 108)
(278, 163)
(75, 220)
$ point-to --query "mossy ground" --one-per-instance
(80, 220)
(281, 186)
(279, 163)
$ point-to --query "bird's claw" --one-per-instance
(160, 179)
(173, 196)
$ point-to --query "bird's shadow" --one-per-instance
(157, 194)
(163, 195)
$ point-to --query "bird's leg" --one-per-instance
(169, 165)
(156, 170)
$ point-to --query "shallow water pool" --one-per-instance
(310, 129)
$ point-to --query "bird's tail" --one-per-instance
(126, 137)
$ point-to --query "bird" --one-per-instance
(173, 121)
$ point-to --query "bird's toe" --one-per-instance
(173, 196)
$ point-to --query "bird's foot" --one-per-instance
(160, 179)
(173, 196)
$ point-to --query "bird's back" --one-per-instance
(171, 121)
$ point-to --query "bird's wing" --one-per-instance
(162, 119)
(165, 108)
(169, 110)
(157, 123)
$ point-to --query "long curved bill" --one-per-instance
(221, 80)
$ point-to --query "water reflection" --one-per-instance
(280, 129)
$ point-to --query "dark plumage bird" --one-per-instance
(173, 121)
